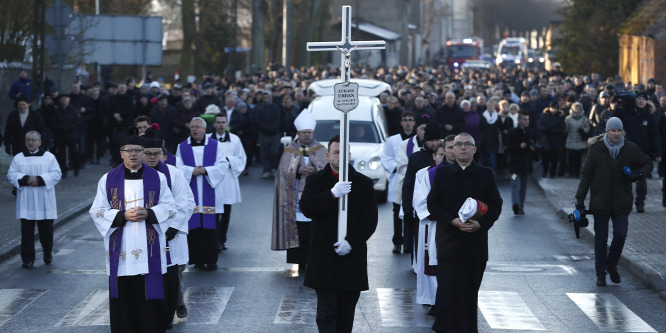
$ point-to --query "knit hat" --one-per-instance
(433, 132)
(614, 122)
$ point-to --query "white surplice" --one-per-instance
(426, 285)
(235, 154)
(401, 165)
(184, 201)
(35, 202)
(389, 162)
(215, 174)
(133, 248)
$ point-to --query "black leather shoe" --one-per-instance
(169, 326)
(27, 264)
(521, 212)
(431, 311)
(224, 246)
(211, 267)
(601, 280)
(614, 275)
(516, 209)
(640, 208)
(48, 258)
(397, 249)
(181, 311)
(199, 266)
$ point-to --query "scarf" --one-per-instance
(514, 117)
(613, 148)
(491, 119)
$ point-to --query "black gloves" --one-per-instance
(171, 233)
(634, 176)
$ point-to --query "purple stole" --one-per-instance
(429, 269)
(209, 157)
(171, 160)
(163, 168)
(115, 193)
(410, 146)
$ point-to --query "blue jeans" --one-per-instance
(603, 257)
(519, 190)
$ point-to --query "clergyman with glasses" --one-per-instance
(462, 246)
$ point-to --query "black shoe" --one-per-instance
(48, 258)
(27, 264)
(663, 202)
(181, 311)
(431, 311)
(224, 246)
(211, 267)
(219, 248)
(169, 326)
(199, 266)
(64, 175)
(640, 208)
(516, 209)
(521, 212)
(614, 275)
(601, 280)
(397, 249)
(14, 191)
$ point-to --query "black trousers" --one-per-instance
(299, 255)
(67, 147)
(202, 245)
(131, 312)
(335, 310)
(222, 225)
(549, 161)
(172, 290)
(397, 225)
(575, 160)
(458, 284)
(45, 228)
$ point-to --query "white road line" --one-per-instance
(12, 301)
(507, 310)
(205, 305)
(298, 306)
(92, 311)
(398, 309)
(608, 313)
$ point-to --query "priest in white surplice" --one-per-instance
(235, 154)
(204, 165)
(176, 235)
(132, 210)
(35, 172)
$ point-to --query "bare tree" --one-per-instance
(16, 21)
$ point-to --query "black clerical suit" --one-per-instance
(338, 279)
(417, 161)
(461, 256)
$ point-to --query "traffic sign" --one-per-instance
(59, 15)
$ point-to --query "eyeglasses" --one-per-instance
(32, 140)
(132, 151)
(157, 153)
(466, 144)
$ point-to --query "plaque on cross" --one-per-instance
(345, 99)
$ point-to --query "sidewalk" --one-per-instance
(73, 196)
(645, 248)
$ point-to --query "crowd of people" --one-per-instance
(503, 120)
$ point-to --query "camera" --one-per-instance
(579, 220)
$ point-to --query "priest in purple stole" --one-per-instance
(132, 210)
(303, 156)
(204, 165)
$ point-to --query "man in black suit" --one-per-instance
(462, 246)
(338, 271)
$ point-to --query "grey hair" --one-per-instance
(450, 93)
(471, 138)
(39, 136)
(203, 122)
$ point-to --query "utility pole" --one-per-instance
(286, 34)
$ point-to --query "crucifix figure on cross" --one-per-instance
(343, 102)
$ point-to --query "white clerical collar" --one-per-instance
(221, 136)
(34, 152)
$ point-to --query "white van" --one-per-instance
(512, 52)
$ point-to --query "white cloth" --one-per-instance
(390, 163)
(468, 209)
(426, 285)
(305, 121)
(514, 117)
(491, 119)
(35, 202)
(184, 203)
(133, 247)
(229, 112)
(235, 154)
(215, 174)
(401, 165)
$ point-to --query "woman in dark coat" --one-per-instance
(490, 126)
(15, 128)
(337, 278)
(552, 126)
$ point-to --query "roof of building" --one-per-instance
(649, 20)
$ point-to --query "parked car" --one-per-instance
(368, 127)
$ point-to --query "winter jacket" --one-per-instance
(576, 131)
(552, 126)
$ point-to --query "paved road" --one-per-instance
(539, 277)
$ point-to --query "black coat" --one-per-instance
(65, 123)
(642, 129)
(417, 161)
(552, 126)
(604, 178)
(451, 187)
(520, 159)
(326, 269)
(268, 119)
(15, 133)
(489, 135)
(454, 116)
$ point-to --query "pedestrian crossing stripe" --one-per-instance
(608, 313)
(398, 309)
(298, 306)
(92, 311)
(507, 310)
(12, 301)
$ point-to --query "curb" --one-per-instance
(14, 247)
(647, 276)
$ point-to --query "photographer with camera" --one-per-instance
(612, 164)
(641, 128)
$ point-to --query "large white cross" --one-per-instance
(346, 46)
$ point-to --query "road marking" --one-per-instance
(12, 301)
(574, 257)
(541, 269)
(608, 313)
(92, 311)
(398, 309)
(507, 310)
(299, 306)
(78, 271)
(205, 305)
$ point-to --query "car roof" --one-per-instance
(365, 87)
(322, 109)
